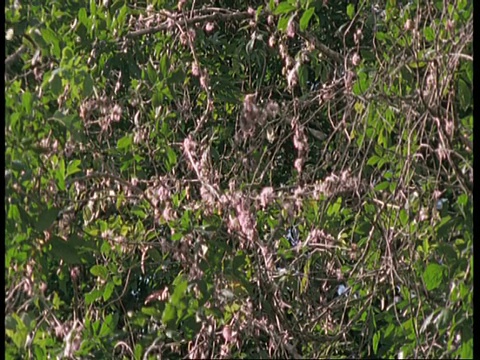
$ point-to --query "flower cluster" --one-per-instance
(106, 112)
(300, 142)
(242, 219)
(254, 116)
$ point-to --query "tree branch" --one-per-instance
(200, 19)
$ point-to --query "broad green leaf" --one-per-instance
(462, 200)
(376, 339)
(305, 19)
(403, 217)
(93, 7)
(382, 186)
(60, 174)
(73, 167)
(64, 250)
(282, 23)
(107, 293)
(152, 73)
(125, 142)
(429, 33)
(334, 208)
(151, 311)
(466, 349)
(433, 276)
(181, 284)
(46, 219)
(108, 325)
(169, 314)
(284, 8)
(83, 17)
(87, 89)
(165, 65)
(67, 54)
(27, 101)
(51, 38)
(99, 270)
(138, 351)
(171, 156)
(56, 86)
(351, 11)
(373, 160)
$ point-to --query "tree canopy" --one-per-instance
(229, 179)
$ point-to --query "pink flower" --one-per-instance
(356, 59)
(116, 113)
(204, 81)
(162, 193)
(209, 26)
(292, 77)
(272, 108)
(300, 140)
(195, 69)
(189, 144)
(266, 196)
(291, 28)
(272, 41)
(299, 164)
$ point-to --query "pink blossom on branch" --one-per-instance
(266, 196)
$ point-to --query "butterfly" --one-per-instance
(292, 235)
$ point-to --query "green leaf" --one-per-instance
(152, 73)
(351, 11)
(177, 236)
(417, 64)
(122, 16)
(466, 350)
(181, 284)
(60, 174)
(373, 160)
(382, 186)
(107, 326)
(107, 293)
(51, 38)
(282, 23)
(64, 250)
(333, 209)
(27, 101)
(138, 351)
(305, 19)
(151, 311)
(284, 8)
(429, 33)
(172, 157)
(93, 7)
(376, 339)
(67, 54)
(87, 88)
(99, 270)
(73, 167)
(124, 142)
(56, 86)
(462, 200)
(464, 94)
(169, 314)
(433, 276)
(403, 217)
(164, 65)
(46, 219)
(83, 17)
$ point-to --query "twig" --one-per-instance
(199, 19)
(10, 59)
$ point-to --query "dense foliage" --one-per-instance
(213, 179)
